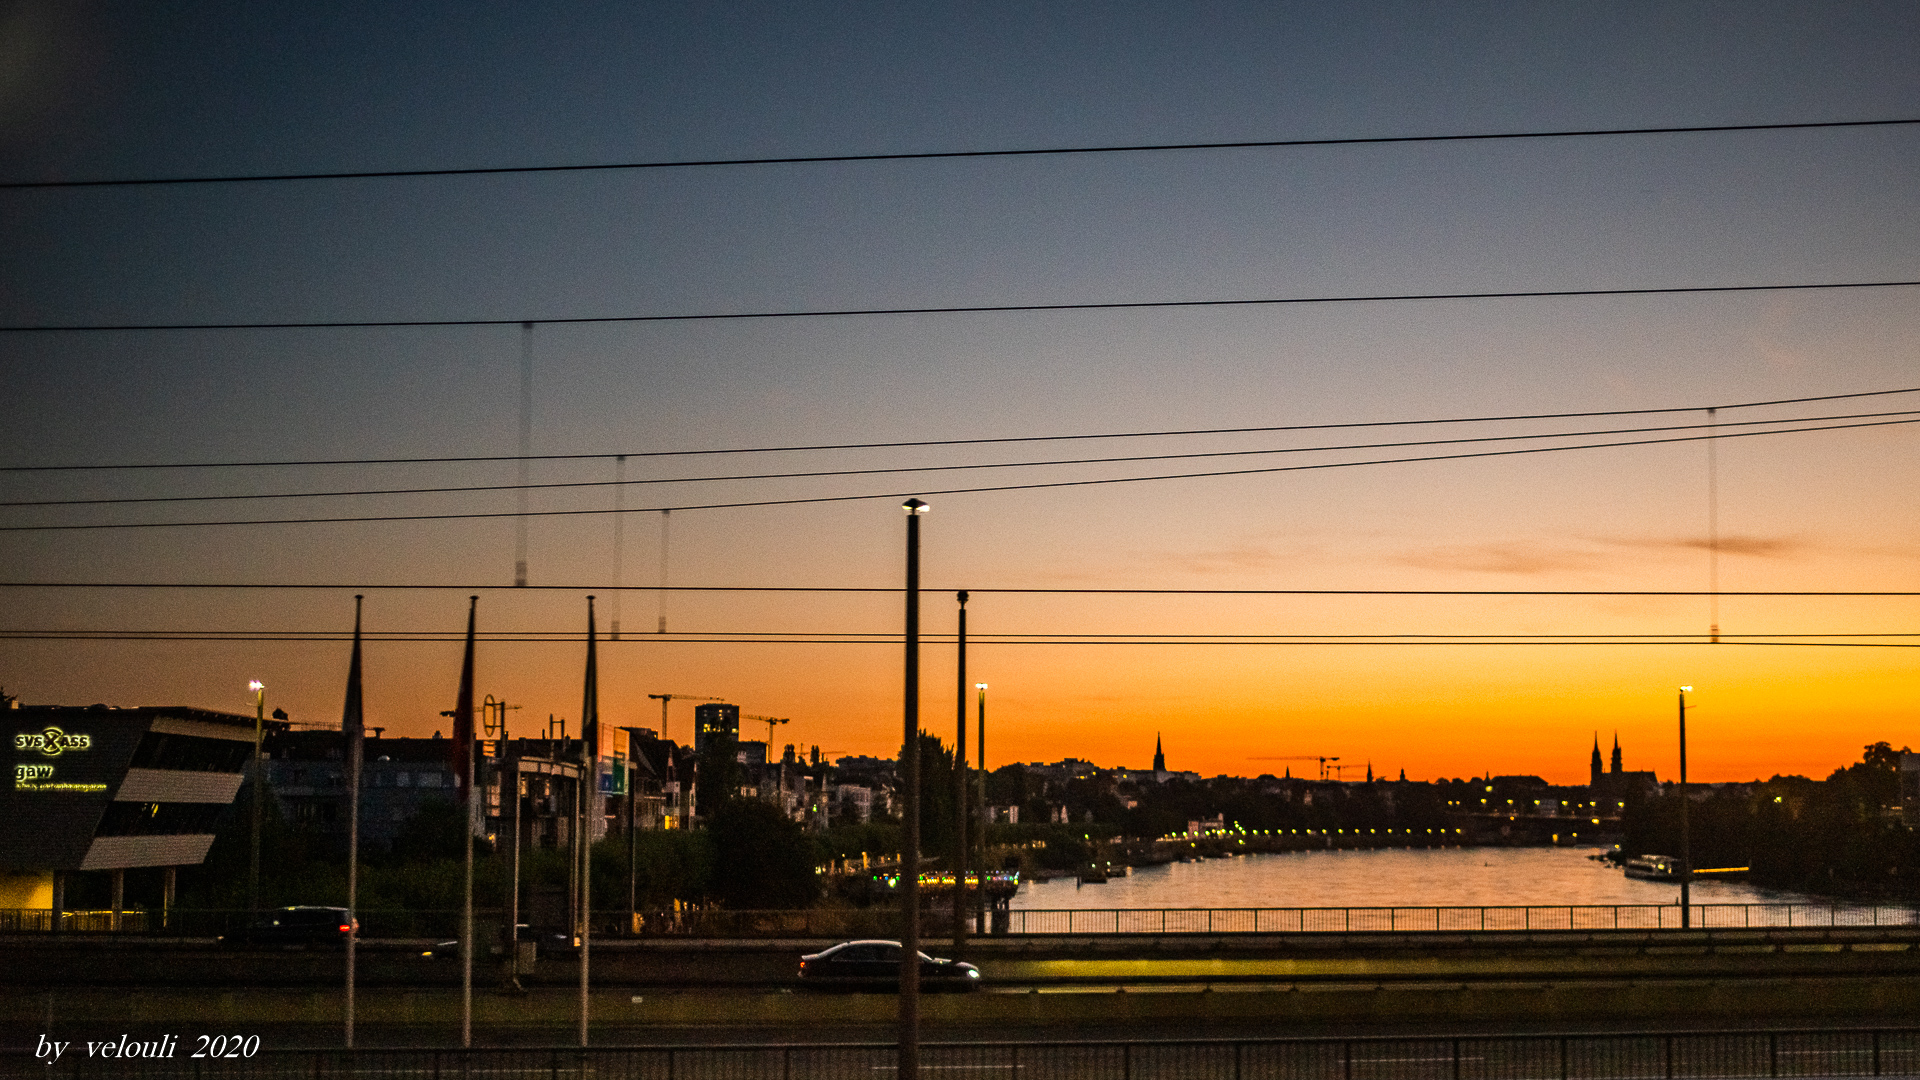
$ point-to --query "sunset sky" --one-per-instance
(1437, 685)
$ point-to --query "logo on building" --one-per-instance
(52, 742)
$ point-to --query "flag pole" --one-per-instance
(463, 771)
(353, 723)
(589, 788)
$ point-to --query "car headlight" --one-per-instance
(973, 973)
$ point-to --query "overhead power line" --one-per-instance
(983, 489)
(970, 466)
(929, 590)
(920, 443)
(1183, 640)
(936, 155)
(955, 309)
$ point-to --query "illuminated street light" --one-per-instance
(909, 1059)
(986, 812)
(1686, 850)
(259, 781)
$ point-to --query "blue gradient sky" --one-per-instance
(99, 90)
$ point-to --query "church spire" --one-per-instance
(1159, 757)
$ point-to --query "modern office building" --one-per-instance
(712, 721)
(113, 789)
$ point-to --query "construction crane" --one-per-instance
(664, 698)
(770, 721)
(1321, 758)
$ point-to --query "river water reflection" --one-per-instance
(1436, 877)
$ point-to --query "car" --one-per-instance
(876, 965)
(301, 924)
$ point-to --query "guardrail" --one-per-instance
(884, 922)
(1809, 1055)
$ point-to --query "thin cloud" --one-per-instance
(1763, 547)
(1503, 558)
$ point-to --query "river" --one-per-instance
(1420, 877)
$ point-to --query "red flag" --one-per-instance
(590, 704)
(353, 719)
(462, 756)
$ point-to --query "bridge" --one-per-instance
(1232, 983)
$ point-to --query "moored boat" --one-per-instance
(1653, 867)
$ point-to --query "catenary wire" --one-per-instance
(953, 309)
(936, 155)
(985, 489)
(1304, 641)
(928, 589)
(565, 637)
(999, 440)
(892, 470)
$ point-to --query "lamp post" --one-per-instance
(986, 812)
(909, 1061)
(259, 781)
(960, 848)
(1686, 849)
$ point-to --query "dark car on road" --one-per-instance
(876, 965)
(301, 925)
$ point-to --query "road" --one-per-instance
(1231, 986)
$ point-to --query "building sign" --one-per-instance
(42, 776)
(52, 742)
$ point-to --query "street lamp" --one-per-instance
(259, 781)
(909, 1060)
(1686, 850)
(960, 848)
(986, 812)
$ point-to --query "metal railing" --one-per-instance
(1443, 919)
(881, 922)
(1802, 1055)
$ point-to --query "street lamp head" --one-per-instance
(979, 686)
(1686, 689)
(915, 506)
(256, 686)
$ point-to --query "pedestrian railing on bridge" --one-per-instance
(1442, 919)
(884, 922)
(1805, 1055)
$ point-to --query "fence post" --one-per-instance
(1563, 1057)
(1456, 1059)
(786, 1063)
(1669, 1046)
(1237, 1048)
(1773, 1053)
(1876, 1051)
(1126, 1061)
(1346, 1060)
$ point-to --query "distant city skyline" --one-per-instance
(1450, 616)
